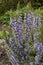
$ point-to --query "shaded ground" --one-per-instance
(0, 27)
(4, 27)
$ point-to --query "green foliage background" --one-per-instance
(12, 4)
(14, 7)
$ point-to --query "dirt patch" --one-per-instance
(4, 27)
(1, 27)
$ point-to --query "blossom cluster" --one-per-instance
(29, 49)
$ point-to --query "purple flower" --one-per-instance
(22, 52)
(38, 21)
(19, 30)
(27, 28)
(37, 59)
(31, 63)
